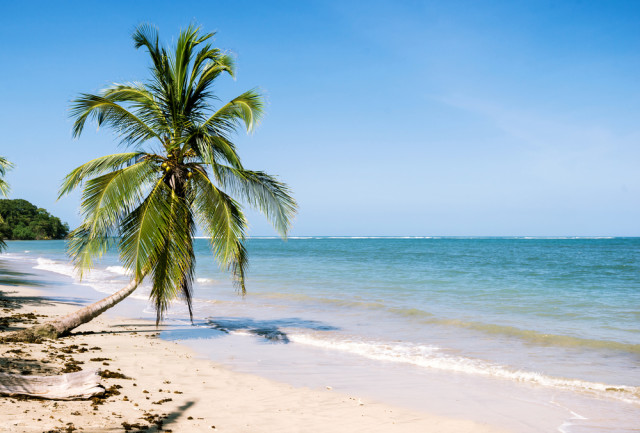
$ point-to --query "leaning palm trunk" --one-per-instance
(64, 325)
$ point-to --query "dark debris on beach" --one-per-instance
(53, 357)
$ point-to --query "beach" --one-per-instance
(169, 388)
(508, 334)
(298, 240)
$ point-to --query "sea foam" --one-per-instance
(54, 266)
(432, 357)
(205, 280)
(120, 270)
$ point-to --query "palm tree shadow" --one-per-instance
(270, 330)
(8, 301)
(10, 277)
(171, 417)
(117, 331)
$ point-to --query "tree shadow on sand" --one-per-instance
(267, 329)
(9, 301)
(10, 277)
(171, 417)
(158, 423)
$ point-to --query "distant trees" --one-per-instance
(20, 219)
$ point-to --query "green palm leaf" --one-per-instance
(96, 167)
(147, 107)
(107, 111)
(175, 261)
(224, 223)
(143, 230)
(4, 167)
(262, 191)
(247, 108)
(106, 200)
(211, 149)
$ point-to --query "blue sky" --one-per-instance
(385, 117)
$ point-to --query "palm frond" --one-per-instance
(146, 35)
(174, 260)
(4, 186)
(213, 64)
(224, 223)
(105, 111)
(157, 240)
(148, 108)
(181, 60)
(143, 231)
(247, 108)
(4, 166)
(212, 149)
(263, 192)
(203, 60)
(106, 201)
(96, 167)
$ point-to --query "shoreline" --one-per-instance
(184, 392)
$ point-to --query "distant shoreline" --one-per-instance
(439, 237)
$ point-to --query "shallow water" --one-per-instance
(517, 323)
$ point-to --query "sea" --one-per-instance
(529, 334)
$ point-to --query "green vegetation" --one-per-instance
(19, 219)
(182, 170)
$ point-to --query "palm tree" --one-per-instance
(182, 170)
(4, 189)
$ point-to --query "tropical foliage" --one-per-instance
(20, 219)
(181, 170)
(4, 167)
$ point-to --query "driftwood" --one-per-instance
(69, 386)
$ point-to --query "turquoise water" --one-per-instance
(558, 314)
